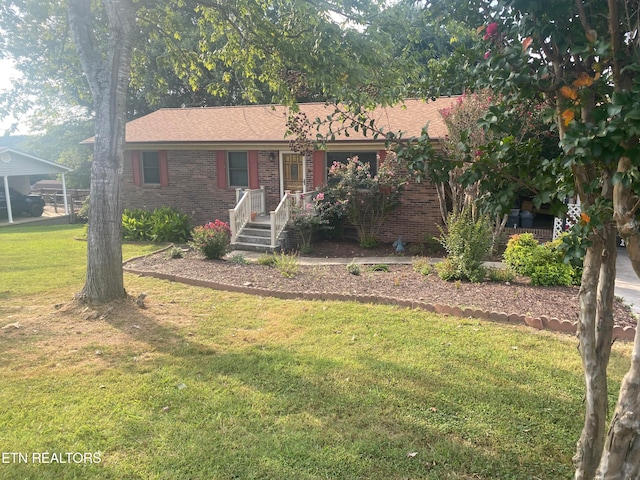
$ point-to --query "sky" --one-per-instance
(6, 73)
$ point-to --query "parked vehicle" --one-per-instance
(21, 203)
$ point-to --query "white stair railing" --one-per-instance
(247, 202)
(255, 201)
(240, 215)
(280, 217)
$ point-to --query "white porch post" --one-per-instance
(64, 195)
(272, 221)
(232, 225)
(264, 200)
(8, 199)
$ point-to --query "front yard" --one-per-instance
(215, 385)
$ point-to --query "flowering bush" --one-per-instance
(306, 221)
(212, 239)
(332, 210)
(365, 200)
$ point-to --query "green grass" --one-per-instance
(45, 258)
(212, 385)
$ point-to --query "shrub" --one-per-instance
(267, 260)
(353, 268)
(366, 200)
(467, 244)
(368, 241)
(422, 265)
(501, 274)
(165, 224)
(212, 239)
(416, 249)
(552, 274)
(136, 224)
(446, 270)
(380, 267)
(287, 264)
(239, 259)
(175, 252)
(524, 253)
(169, 225)
(544, 264)
(307, 221)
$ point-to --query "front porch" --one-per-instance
(253, 228)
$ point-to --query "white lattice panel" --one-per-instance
(562, 224)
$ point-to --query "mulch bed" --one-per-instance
(400, 285)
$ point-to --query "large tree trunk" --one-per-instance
(107, 68)
(595, 327)
(621, 457)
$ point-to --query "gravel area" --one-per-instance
(400, 282)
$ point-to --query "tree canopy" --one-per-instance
(579, 59)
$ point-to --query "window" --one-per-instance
(150, 168)
(364, 157)
(238, 169)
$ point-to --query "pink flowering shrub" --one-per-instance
(364, 199)
(306, 221)
(491, 31)
(212, 239)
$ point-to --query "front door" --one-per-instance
(293, 172)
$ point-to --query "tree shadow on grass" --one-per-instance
(269, 411)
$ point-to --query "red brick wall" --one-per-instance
(269, 177)
(417, 216)
(193, 189)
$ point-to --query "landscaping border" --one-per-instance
(540, 323)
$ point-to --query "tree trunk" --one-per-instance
(595, 331)
(621, 457)
(107, 71)
(592, 436)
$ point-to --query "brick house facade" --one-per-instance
(188, 159)
(192, 187)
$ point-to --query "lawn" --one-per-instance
(211, 385)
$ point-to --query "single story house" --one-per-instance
(196, 159)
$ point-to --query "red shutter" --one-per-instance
(382, 154)
(319, 169)
(254, 182)
(221, 168)
(135, 166)
(164, 168)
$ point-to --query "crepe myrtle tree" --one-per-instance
(581, 58)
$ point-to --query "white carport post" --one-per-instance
(7, 198)
(64, 195)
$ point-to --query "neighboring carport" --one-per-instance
(15, 169)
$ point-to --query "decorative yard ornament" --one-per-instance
(399, 244)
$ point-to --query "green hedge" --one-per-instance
(544, 264)
(165, 224)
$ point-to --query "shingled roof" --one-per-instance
(267, 123)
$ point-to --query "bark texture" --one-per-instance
(621, 457)
(595, 327)
(107, 64)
